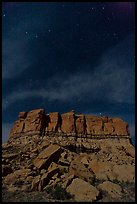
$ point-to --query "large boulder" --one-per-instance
(78, 169)
(114, 190)
(48, 155)
(40, 181)
(12, 178)
(125, 172)
(102, 170)
(82, 190)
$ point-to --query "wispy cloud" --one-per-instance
(17, 37)
(15, 58)
(112, 80)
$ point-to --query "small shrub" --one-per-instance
(60, 193)
(19, 183)
(98, 181)
(115, 181)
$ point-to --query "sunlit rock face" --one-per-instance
(69, 129)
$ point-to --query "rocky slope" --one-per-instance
(83, 155)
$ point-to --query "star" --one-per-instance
(49, 30)
(103, 8)
(91, 9)
(114, 34)
(4, 15)
(26, 32)
(36, 36)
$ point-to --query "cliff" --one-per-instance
(67, 128)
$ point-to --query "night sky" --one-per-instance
(68, 56)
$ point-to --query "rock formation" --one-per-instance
(71, 150)
(68, 128)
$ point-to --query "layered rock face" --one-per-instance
(68, 128)
(29, 123)
(84, 154)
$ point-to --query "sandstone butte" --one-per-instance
(67, 128)
(72, 150)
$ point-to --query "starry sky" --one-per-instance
(68, 56)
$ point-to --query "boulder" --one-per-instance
(13, 177)
(82, 190)
(125, 172)
(114, 190)
(85, 160)
(53, 169)
(78, 169)
(35, 183)
(45, 179)
(67, 180)
(102, 170)
(48, 155)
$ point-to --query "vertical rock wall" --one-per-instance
(36, 122)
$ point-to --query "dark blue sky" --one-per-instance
(64, 56)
